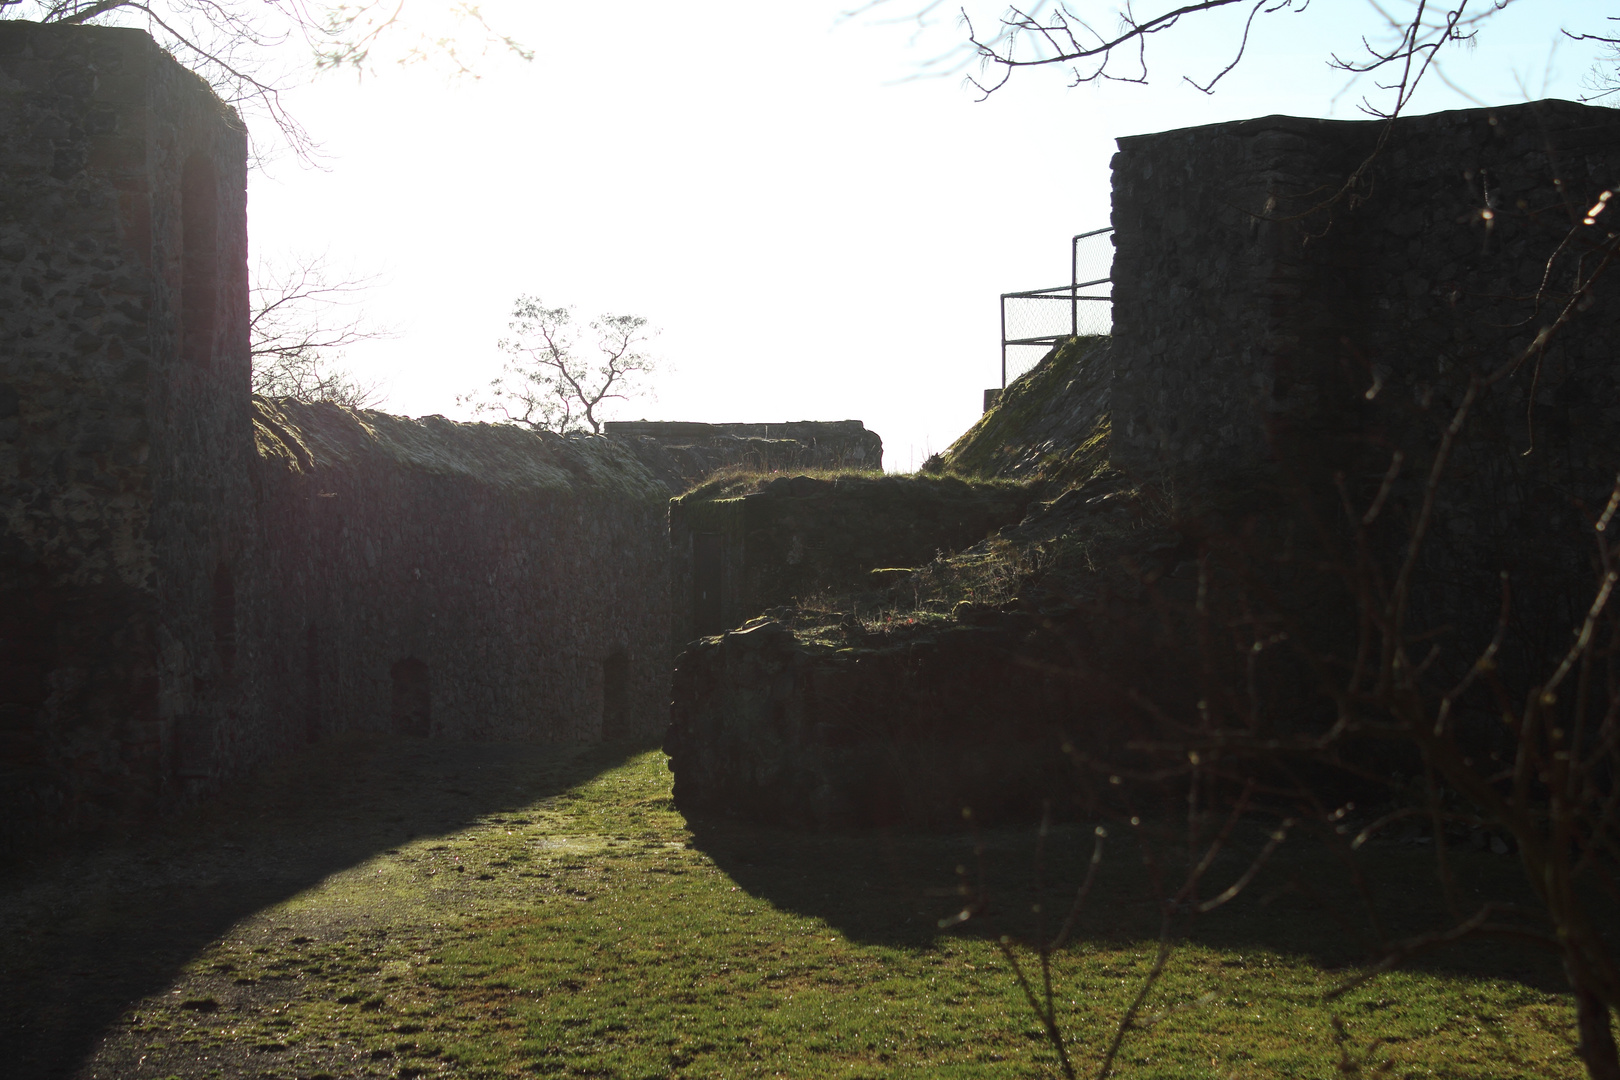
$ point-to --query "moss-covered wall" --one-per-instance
(786, 538)
(1051, 424)
(684, 454)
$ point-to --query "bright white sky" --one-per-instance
(816, 237)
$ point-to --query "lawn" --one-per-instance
(396, 908)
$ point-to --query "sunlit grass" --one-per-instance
(592, 933)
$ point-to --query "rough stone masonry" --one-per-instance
(1269, 273)
(192, 580)
(1288, 303)
(1296, 298)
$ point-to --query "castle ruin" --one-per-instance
(193, 580)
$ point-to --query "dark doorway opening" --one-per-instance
(708, 568)
(224, 618)
(312, 683)
(616, 695)
(412, 698)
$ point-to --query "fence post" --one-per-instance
(1074, 287)
(1004, 341)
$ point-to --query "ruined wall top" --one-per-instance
(683, 454)
(690, 431)
(310, 437)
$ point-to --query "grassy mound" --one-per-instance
(1051, 424)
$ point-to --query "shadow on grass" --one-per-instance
(895, 888)
(88, 933)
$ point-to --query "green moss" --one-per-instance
(307, 436)
(733, 482)
(712, 515)
(1043, 426)
(732, 485)
(1086, 460)
(1048, 434)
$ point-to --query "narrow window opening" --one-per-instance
(412, 698)
(224, 618)
(616, 695)
(199, 259)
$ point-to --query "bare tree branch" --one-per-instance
(1109, 41)
(551, 381)
(243, 48)
(1604, 78)
(302, 321)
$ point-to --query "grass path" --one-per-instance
(404, 910)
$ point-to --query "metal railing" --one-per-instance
(1045, 317)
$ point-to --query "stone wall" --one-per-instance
(904, 731)
(192, 580)
(1253, 312)
(1264, 330)
(684, 454)
(784, 539)
(453, 580)
(124, 433)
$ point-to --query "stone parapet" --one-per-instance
(684, 454)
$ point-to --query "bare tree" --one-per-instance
(1603, 81)
(551, 380)
(1104, 41)
(250, 51)
(302, 322)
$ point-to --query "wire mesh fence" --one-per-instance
(1034, 320)
(1032, 316)
(1018, 359)
(1091, 259)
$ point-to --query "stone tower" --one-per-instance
(124, 420)
(1261, 293)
